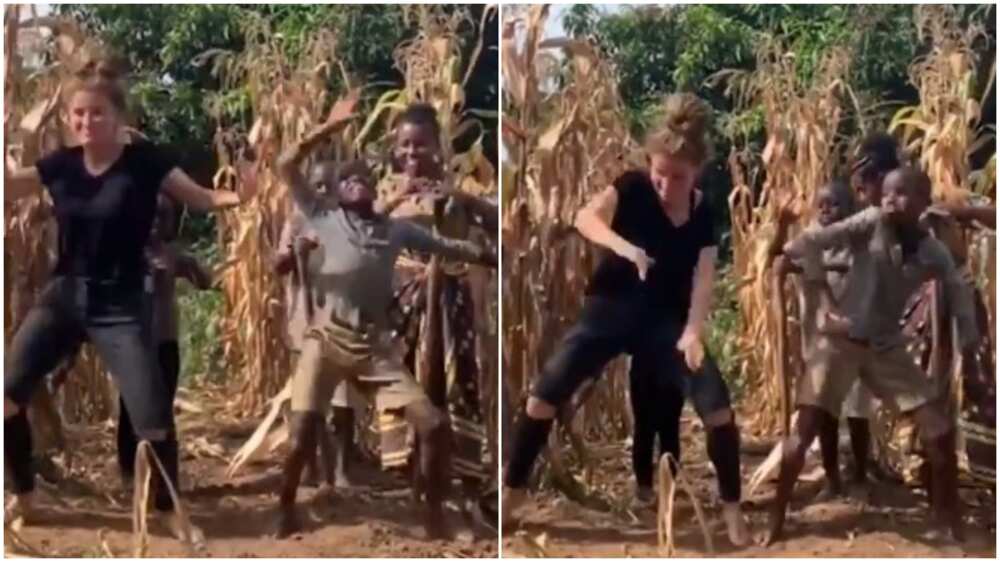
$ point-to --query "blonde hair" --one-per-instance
(97, 70)
(683, 130)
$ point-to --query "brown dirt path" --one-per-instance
(889, 526)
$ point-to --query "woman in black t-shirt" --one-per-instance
(104, 195)
(649, 297)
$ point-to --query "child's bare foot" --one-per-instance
(736, 524)
(287, 524)
(344, 481)
(944, 535)
(775, 532)
(435, 525)
(176, 528)
(830, 492)
(861, 491)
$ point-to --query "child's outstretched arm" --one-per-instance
(290, 160)
(808, 247)
(422, 240)
(284, 260)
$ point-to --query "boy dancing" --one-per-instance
(349, 339)
(892, 256)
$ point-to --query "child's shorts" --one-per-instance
(860, 402)
(835, 364)
(332, 355)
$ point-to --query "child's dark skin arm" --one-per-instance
(422, 240)
(305, 196)
(786, 217)
(284, 260)
(808, 248)
(987, 216)
(484, 210)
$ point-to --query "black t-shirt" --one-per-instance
(640, 219)
(104, 220)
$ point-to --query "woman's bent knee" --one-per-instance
(540, 409)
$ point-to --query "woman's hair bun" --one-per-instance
(683, 130)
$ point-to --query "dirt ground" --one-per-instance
(377, 520)
(889, 525)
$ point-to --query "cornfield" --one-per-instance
(799, 156)
(565, 138)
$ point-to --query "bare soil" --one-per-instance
(237, 516)
(888, 525)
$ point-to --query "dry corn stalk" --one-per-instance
(944, 129)
(799, 156)
(287, 98)
(667, 490)
(145, 460)
(566, 138)
(263, 440)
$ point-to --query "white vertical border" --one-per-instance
(500, 281)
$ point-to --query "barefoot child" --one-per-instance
(297, 241)
(834, 202)
(349, 340)
(892, 256)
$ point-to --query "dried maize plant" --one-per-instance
(800, 155)
(286, 98)
(41, 51)
(566, 138)
(944, 129)
(943, 132)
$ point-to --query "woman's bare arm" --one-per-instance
(702, 288)
(593, 221)
(182, 188)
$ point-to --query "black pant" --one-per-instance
(609, 327)
(168, 355)
(656, 410)
(110, 317)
